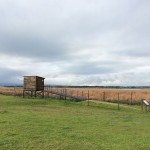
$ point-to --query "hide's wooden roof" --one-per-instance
(35, 76)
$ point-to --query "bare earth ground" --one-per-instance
(107, 94)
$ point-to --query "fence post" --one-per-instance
(48, 94)
(104, 95)
(14, 91)
(65, 94)
(118, 102)
(77, 93)
(23, 93)
(71, 93)
(88, 97)
(60, 93)
(131, 98)
(142, 105)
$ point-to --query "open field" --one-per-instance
(11, 90)
(129, 96)
(50, 124)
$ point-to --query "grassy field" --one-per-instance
(49, 124)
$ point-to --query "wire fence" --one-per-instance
(128, 96)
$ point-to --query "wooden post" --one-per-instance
(43, 94)
(100, 96)
(48, 94)
(88, 97)
(15, 91)
(71, 92)
(23, 93)
(118, 102)
(60, 94)
(65, 94)
(146, 108)
(31, 93)
(142, 105)
(131, 98)
(104, 96)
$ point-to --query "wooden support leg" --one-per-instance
(23, 93)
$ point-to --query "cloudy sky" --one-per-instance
(76, 42)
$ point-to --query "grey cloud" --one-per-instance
(88, 68)
(135, 52)
(99, 67)
(9, 76)
(32, 46)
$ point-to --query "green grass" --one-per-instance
(50, 124)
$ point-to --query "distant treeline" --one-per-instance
(67, 86)
(115, 87)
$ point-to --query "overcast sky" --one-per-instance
(76, 42)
